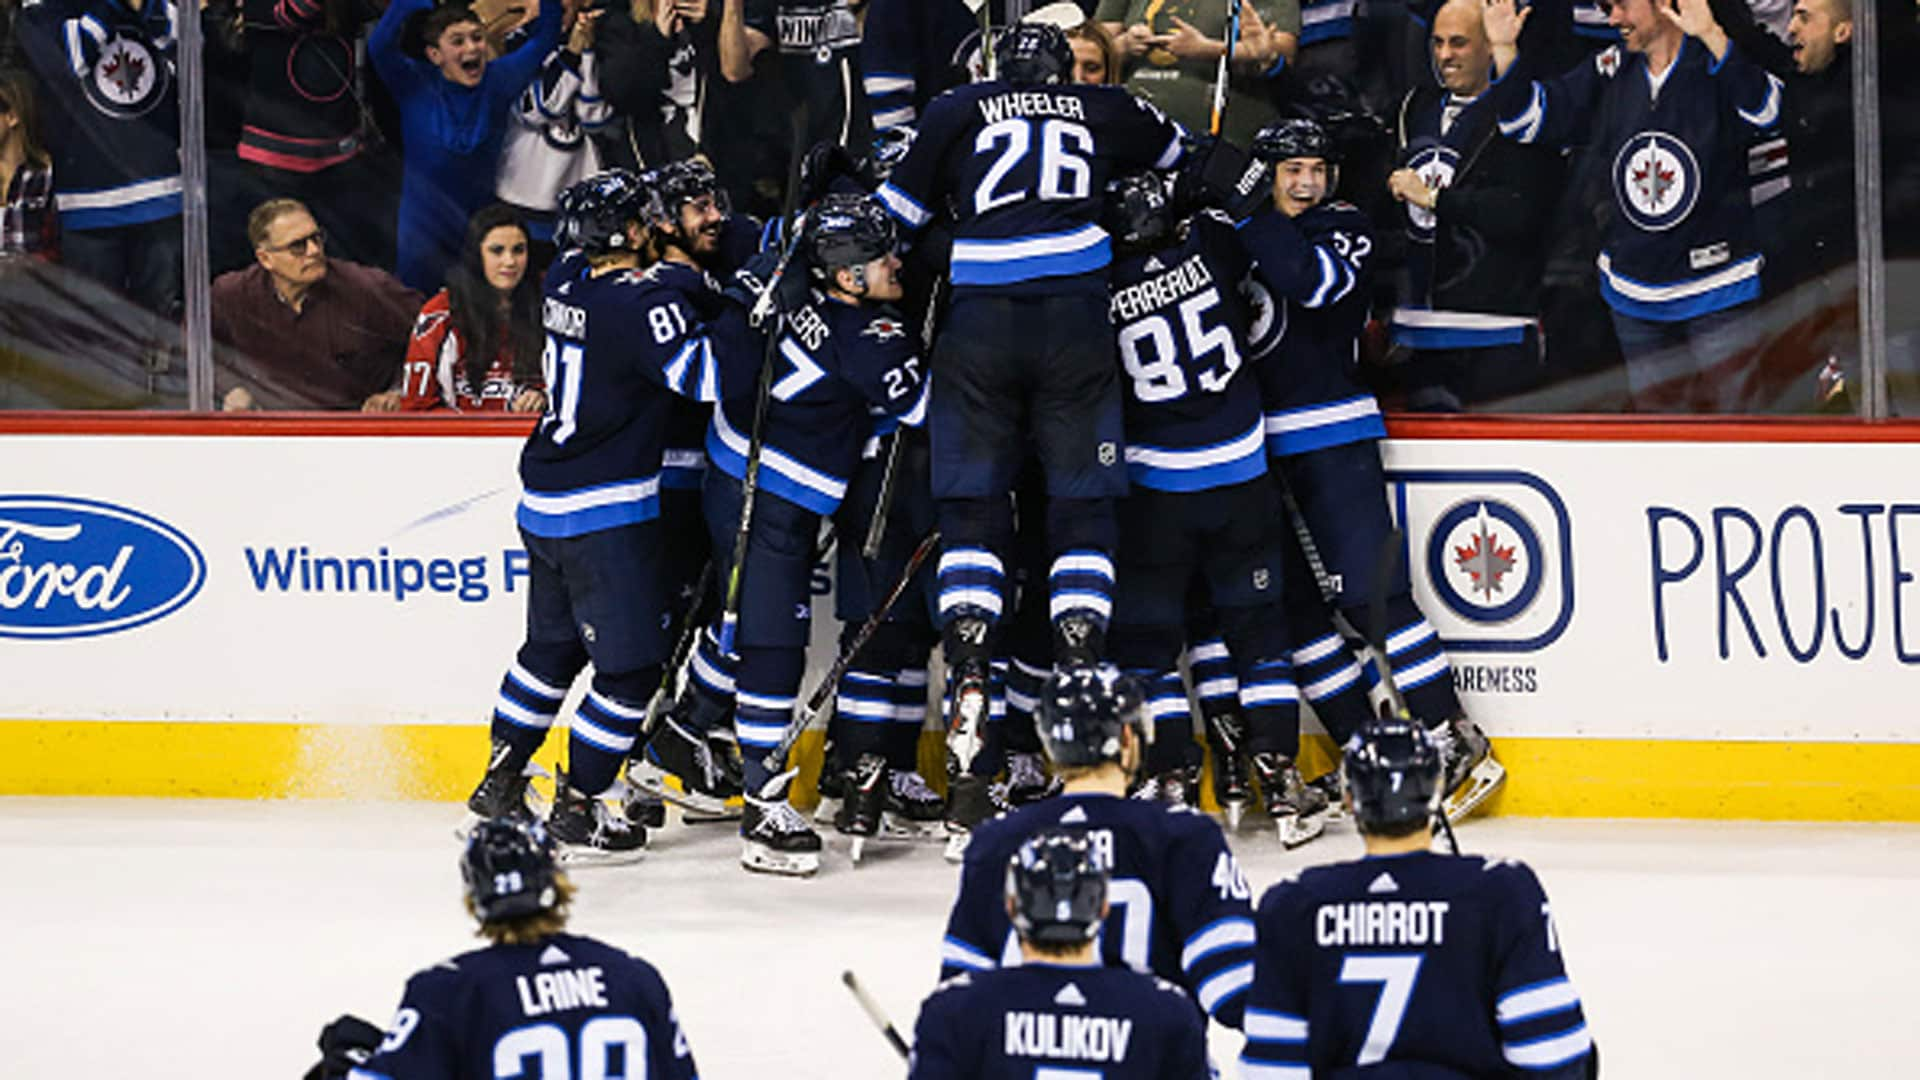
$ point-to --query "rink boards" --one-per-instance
(1687, 619)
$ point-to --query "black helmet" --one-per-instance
(684, 181)
(1392, 771)
(594, 213)
(1033, 54)
(1296, 137)
(1138, 212)
(1082, 710)
(508, 869)
(847, 231)
(1058, 888)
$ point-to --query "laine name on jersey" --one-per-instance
(552, 991)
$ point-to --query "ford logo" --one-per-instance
(75, 567)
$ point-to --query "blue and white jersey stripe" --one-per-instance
(1267, 1026)
(683, 468)
(1551, 1051)
(865, 698)
(1199, 468)
(1423, 328)
(1325, 20)
(1316, 427)
(125, 204)
(780, 473)
(1679, 301)
(1533, 1002)
(1004, 262)
(903, 206)
(957, 953)
(890, 99)
(1235, 931)
(575, 513)
(1216, 991)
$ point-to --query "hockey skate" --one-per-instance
(590, 832)
(968, 801)
(1225, 737)
(1027, 780)
(863, 801)
(503, 792)
(832, 787)
(914, 811)
(1472, 773)
(774, 837)
(639, 801)
(704, 789)
(1176, 787)
(1328, 785)
(1298, 811)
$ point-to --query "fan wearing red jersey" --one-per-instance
(476, 344)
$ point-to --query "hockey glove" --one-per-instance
(751, 281)
(345, 1044)
(828, 168)
(1223, 177)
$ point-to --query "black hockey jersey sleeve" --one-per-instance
(884, 362)
(423, 1041)
(1543, 1030)
(1316, 260)
(1208, 902)
(1276, 1007)
(941, 1048)
(976, 927)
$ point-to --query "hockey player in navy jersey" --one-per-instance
(1026, 350)
(622, 341)
(1323, 428)
(1179, 901)
(1202, 503)
(1060, 1012)
(1673, 113)
(1405, 962)
(535, 993)
(843, 351)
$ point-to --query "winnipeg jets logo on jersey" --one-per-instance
(1435, 165)
(1656, 180)
(1607, 61)
(885, 329)
(127, 77)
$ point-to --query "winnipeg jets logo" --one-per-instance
(1435, 165)
(1656, 180)
(884, 329)
(127, 79)
(1484, 560)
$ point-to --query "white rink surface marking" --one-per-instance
(212, 939)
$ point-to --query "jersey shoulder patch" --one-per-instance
(884, 328)
(1608, 60)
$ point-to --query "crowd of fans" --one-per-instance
(365, 163)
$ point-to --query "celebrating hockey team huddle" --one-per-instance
(1097, 416)
(1060, 384)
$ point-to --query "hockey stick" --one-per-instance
(763, 395)
(683, 648)
(1226, 63)
(981, 12)
(876, 1014)
(777, 757)
(883, 503)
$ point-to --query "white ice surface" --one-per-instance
(210, 939)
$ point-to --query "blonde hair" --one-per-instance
(534, 928)
(1093, 31)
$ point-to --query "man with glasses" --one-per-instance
(311, 332)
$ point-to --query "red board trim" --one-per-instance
(1676, 429)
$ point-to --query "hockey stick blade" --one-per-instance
(876, 1014)
(1387, 562)
(817, 701)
